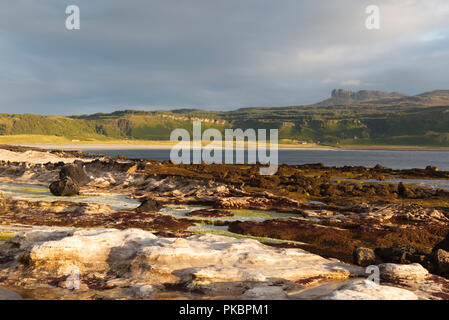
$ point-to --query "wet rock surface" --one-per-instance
(333, 214)
(135, 264)
(66, 213)
(9, 295)
(133, 257)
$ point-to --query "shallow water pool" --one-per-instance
(33, 192)
(241, 215)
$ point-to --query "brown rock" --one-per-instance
(364, 257)
(149, 205)
(403, 190)
(440, 260)
(76, 172)
(64, 187)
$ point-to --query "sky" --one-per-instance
(214, 54)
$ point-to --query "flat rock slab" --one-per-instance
(9, 295)
(135, 264)
(368, 290)
(204, 257)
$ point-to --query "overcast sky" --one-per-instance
(214, 54)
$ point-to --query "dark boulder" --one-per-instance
(76, 172)
(149, 205)
(379, 167)
(431, 169)
(403, 190)
(364, 257)
(440, 262)
(439, 258)
(64, 187)
(443, 244)
(401, 254)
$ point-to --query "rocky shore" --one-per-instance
(321, 227)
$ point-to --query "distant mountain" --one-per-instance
(435, 94)
(365, 95)
(387, 99)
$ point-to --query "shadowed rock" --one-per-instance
(440, 257)
(76, 172)
(443, 244)
(64, 187)
(149, 205)
(440, 262)
(401, 254)
(364, 257)
(403, 190)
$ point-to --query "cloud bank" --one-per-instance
(214, 54)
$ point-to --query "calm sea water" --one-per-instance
(368, 158)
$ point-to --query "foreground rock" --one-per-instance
(71, 178)
(64, 187)
(440, 257)
(364, 257)
(408, 231)
(436, 261)
(440, 262)
(135, 264)
(76, 172)
(367, 290)
(444, 245)
(9, 295)
(149, 205)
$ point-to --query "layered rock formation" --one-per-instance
(136, 264)
(364, 95)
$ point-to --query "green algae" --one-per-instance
(222, 231)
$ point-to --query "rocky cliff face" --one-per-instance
(364, 95)
(382, 98)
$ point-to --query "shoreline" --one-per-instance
(100, 146)
(120, 146)
(394, 148)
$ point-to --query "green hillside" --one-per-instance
(393, 122)
(139, 125)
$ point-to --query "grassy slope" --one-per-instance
(335, 126)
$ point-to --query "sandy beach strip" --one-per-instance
(169, 144)
(53, 146)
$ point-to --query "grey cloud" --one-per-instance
(213, 54)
